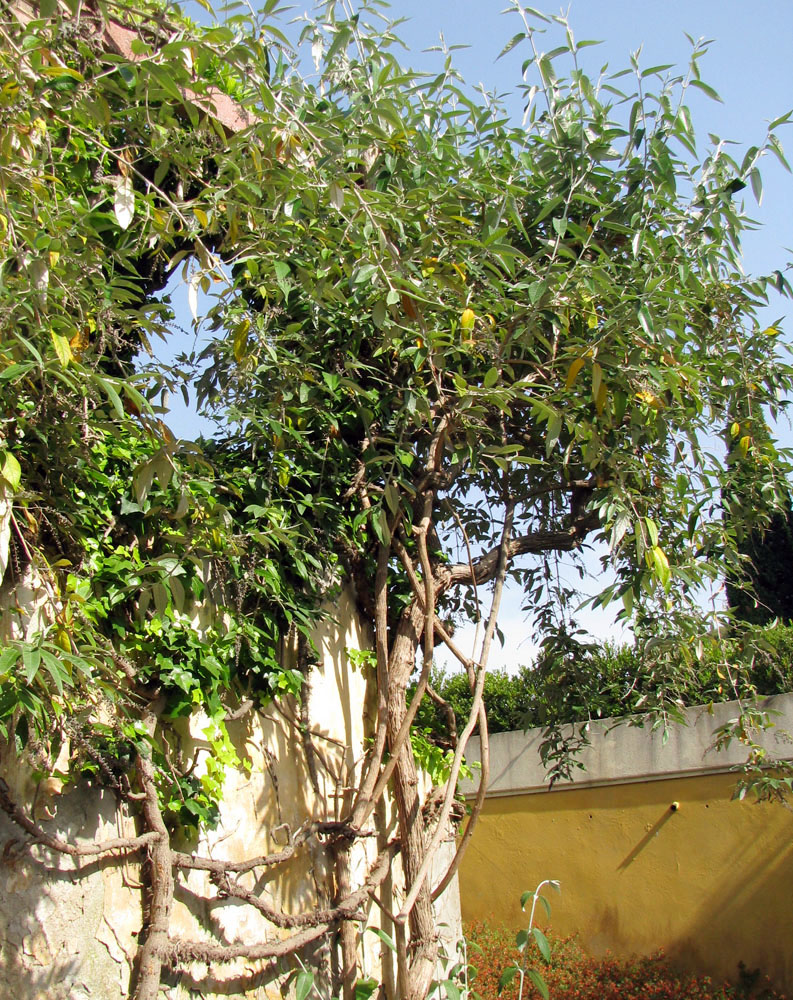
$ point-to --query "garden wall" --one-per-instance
(649, 847)
(69, 928)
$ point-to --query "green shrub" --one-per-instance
(578, 683)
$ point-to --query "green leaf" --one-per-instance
(645, 320)
(706, 89)
(31, 661)
(506, 977)
(392, 497)
(380, 525)
(8, 659)
(554, 428)
(364, 988)
(16, 371)
(451, 989)
(10, 470)
(539, 982)
(545, 904)
(515, 40)
(304, 983)
(379, 314)
(542, 943)
(491, 377)
(387, 940)
(336, 195)
(55, 669)
(160, 596)
(112, 395)
(757, 185)
(364, 273)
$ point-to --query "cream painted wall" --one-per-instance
(68, 935)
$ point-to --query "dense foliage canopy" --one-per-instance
(606, 681)
(445, 349)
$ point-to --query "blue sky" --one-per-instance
(750, 64)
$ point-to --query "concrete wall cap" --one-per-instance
(620, 752)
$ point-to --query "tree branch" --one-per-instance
(200, 951)
(188, 861)
(564, 540)
(161, 882)
(124, 844)
(342, 910)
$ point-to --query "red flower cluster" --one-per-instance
(572, 975)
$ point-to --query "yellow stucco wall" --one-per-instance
(711, 884)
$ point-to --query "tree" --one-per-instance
(446, 349)
(762, 592)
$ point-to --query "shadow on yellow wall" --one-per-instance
(710, 881)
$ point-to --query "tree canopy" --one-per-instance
(446, 349)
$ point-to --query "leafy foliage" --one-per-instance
(609, 681)
(445, 350)
(162, 570)
(573, 975)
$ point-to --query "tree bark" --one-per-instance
(161, 886)
(347, 937)
(423, 941)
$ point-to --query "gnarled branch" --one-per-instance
(564, 540)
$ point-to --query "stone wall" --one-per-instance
(69, 929)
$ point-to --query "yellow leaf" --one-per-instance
(62, 71)
(240, 342)
(468, 319)
(78, 343)
(597, 381)
(460, 269)
(62, 348)
(202, 217)
(660, 565)
(572, 372)
(600, 399)
(743, 445)
(10, 470)
(54, 257)
(645, 396)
